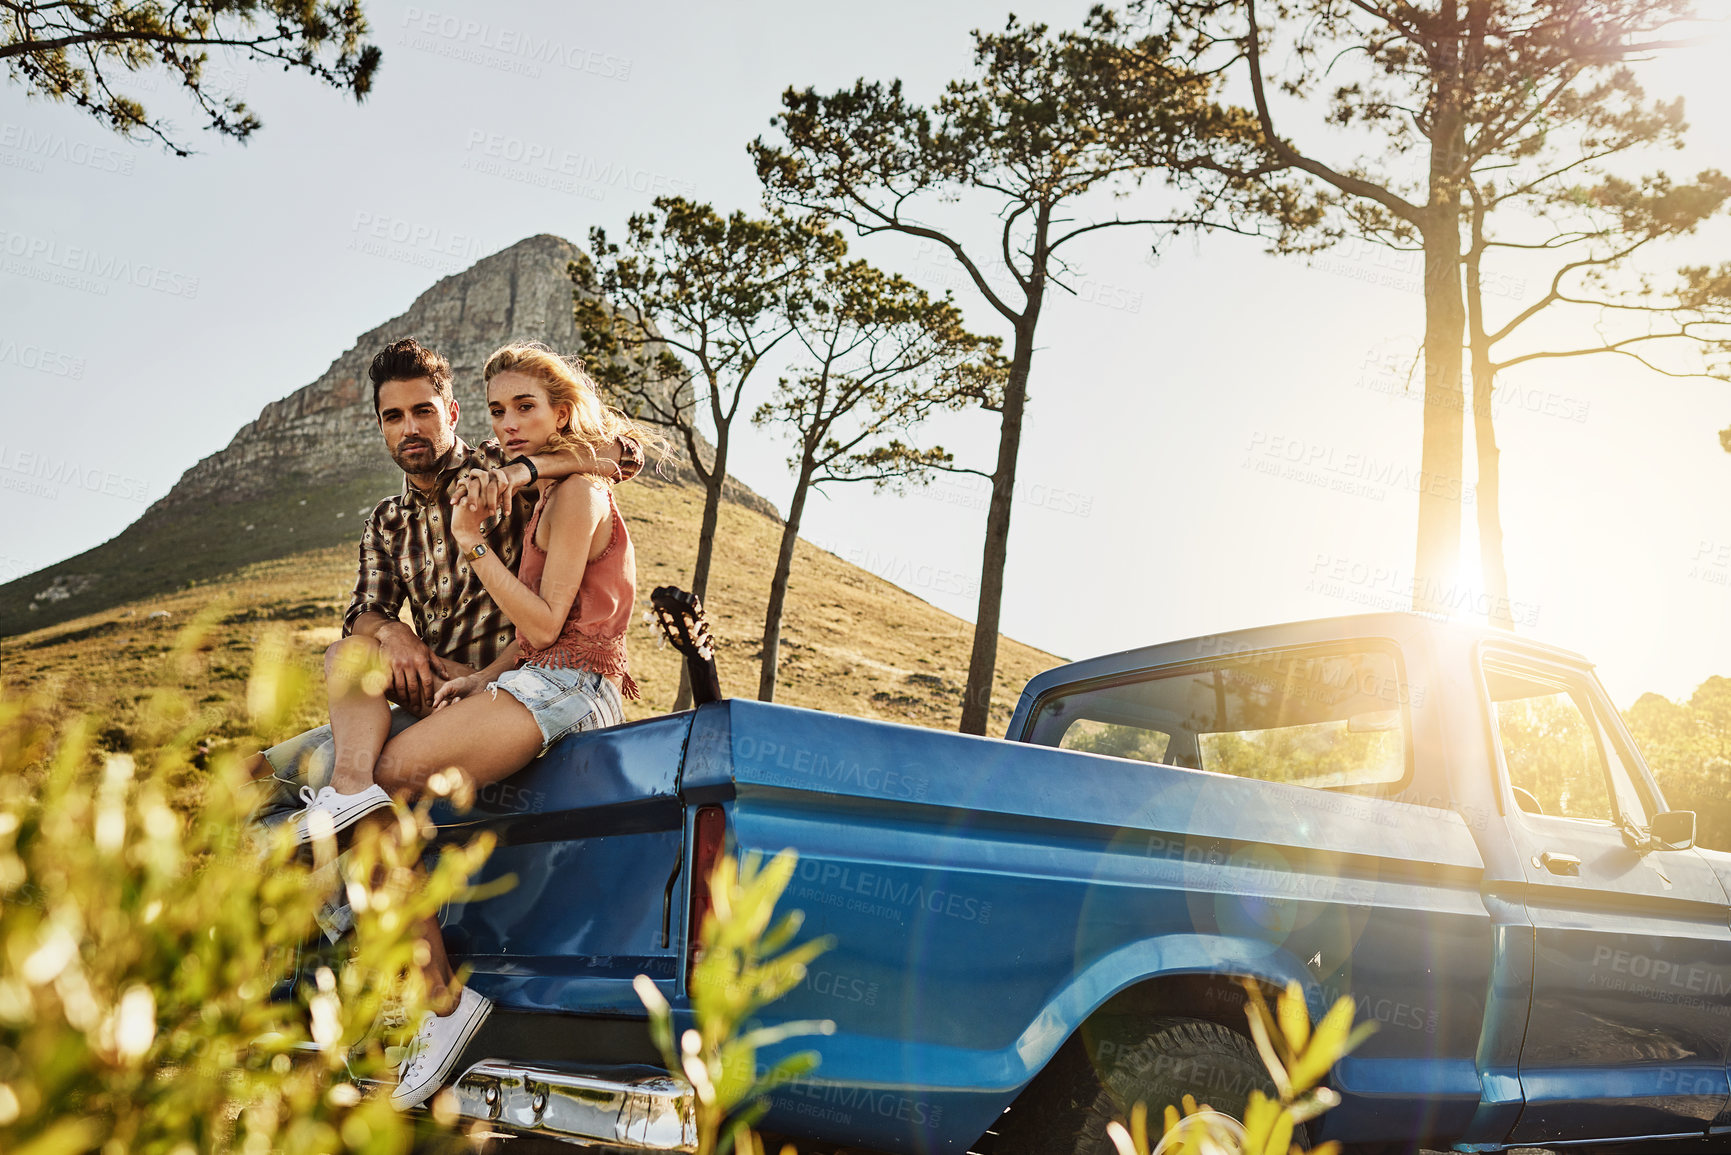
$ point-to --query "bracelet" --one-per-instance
(534, 474)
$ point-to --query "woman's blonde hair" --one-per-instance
(593, 423)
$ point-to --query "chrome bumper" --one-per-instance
(649, 1114)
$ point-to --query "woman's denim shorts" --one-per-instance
(563, 701)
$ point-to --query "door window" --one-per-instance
(1560, 759)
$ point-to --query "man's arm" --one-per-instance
(372, 613)
(620, 461)
(378, 595)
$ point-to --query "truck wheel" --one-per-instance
(1096, 1078)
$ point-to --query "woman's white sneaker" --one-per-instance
(435, 1049)
(328, 812)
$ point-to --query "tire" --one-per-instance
(1098, 1075)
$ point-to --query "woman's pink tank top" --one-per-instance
(594, 634)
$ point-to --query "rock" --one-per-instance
(68, 585)
(329, 429)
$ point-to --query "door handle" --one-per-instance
(1559, 863)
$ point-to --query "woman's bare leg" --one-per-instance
(488, 736)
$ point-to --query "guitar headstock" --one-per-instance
(682, 621)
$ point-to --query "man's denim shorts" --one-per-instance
(563, 701)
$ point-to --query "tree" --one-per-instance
(1687, 745)
(1044, 121)
(884, 356)
(675, 322)
(1599, 230)
(1443, 90)
(75, 51)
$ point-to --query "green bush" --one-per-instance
(143, 933)
(743, 965)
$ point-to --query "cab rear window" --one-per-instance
(1332, 719)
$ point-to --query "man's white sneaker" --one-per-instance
(436, 1048)
(328, 812)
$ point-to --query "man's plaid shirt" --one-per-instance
(409, 555)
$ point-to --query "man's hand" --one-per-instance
(413, 676)
(477, 497)
(487, 490)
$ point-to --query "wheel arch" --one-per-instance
(1156, 975)
(1193, 976)
(1152, 1026)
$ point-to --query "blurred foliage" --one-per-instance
(150, 992)
(744, 964)
(1297, 1057)
(1688, 747)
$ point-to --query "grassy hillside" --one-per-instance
(167, 549)
(852, 642)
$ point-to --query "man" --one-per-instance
(408, 556)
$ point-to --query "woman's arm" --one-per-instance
(574, 516)
(507, 660)
(456, 689)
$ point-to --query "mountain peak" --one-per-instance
(301, 474)
(328, 429)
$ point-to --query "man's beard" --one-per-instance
(425, 459)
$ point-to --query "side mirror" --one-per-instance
(1672, 830)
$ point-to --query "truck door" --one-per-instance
(1628, 1031)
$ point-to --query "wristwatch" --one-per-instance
(475, 552)
(534, 474)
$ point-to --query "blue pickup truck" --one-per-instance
(1450, 826)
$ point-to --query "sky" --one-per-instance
(1216, 437)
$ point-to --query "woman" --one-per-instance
(571, 602)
